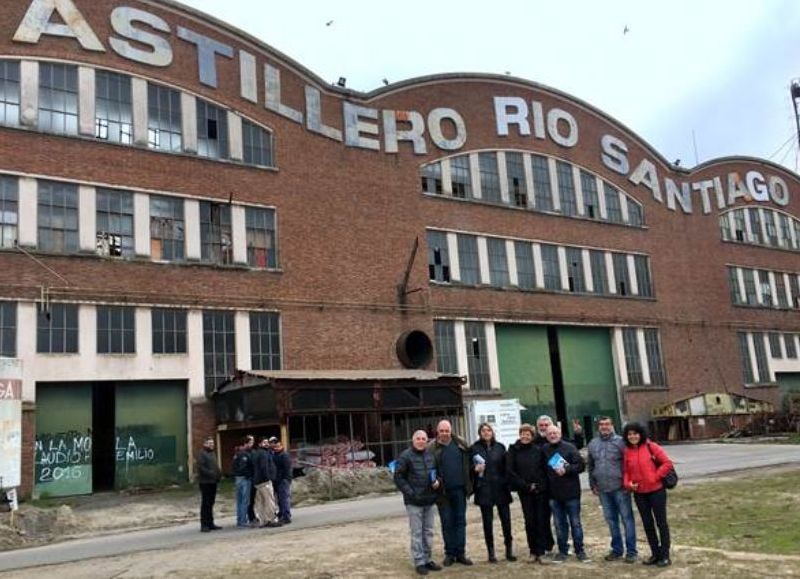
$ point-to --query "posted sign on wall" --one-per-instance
(503, 415)
(10, 422)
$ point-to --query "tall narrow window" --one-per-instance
(438, 257)
(620, 262)
(575, 277)
(116, 330)
(566, 188)
(215, 233)
(541, 183)
(755, 226)
(786, 229)
(498, 262)
(597, 259)
(641, 264)
(635, 213)
(517, 187)
(164, 128)
(461, 177)
(765, 288)
(58, 98)
(526, 276)
(654, 361)
(57, 329)
(733, 282)
(8, 329)
(774, 339)
(591, 202)
(219, 347)
(169, 330)
(725, 227)
(791, 348)
(780, 289)
(744, 356)
(738, 225)
(633, 360)
(468, 260)
(761, 356)
(57, 217)
(772, 231)
(551, 269)
(115, 223)
(9, 211)
(477, 356)
(9, 93)
(265, 341)
(432, 178)
(490, 178)
(613, 208)
(794, 291)
(445, 337)
(166, 228)
(261, 247)
(212, 131)
(113, 107)
(749, 286)
(257, 144)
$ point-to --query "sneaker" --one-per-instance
(650, 560)
(433, 566)
(559, 558)
(422, 570)
(664, 562)
(631, 558)
(612, 556)
(583, 557)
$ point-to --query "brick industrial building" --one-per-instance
(179, 201)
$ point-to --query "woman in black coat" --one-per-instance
(527, 474)
(491, 488)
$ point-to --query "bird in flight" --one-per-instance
(626, 29)
(329, 22)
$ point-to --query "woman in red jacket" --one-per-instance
(645, 466)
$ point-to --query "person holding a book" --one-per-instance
(564, 465)
(646, 464)
(491, 488)
(526, 469)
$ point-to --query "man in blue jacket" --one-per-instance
(415, 475)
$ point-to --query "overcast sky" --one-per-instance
(720, 69)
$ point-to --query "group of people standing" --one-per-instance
(543, 469)
(262, 478)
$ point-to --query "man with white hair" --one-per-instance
(415, 475)
(453, 465)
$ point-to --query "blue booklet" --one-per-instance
(557, 461)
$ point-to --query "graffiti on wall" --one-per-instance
(62, 456)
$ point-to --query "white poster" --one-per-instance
(503, 415)
(10, 422)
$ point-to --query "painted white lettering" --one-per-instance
(207, 50)
(272, 90)
(354, 127)
(557, 118)
(645, 174)
(391, 134)
(778, 190)
(736, 188)
(704, 187)
(719, 193)
(248, 78)
(314, 115)
(756, 186)
(615, 154)
(122, 19)
(511, 110)
(435, 119)
(37, 21)
(682, 195)
(537, 112)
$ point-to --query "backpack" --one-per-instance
(670, 480)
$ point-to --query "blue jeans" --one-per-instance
(453, 516)
(284, 496)
(618, 505)
(243, 485)
(567, 515)
(420, 523)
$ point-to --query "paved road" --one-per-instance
(693, 462)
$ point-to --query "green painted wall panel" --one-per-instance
(150, 434)
(588, 371)
(788, 383)
(63, 440)
(524, 361)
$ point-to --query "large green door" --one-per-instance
(63, 440)
(150, 434)
(523, 356)
(788, 384)
(588, 372)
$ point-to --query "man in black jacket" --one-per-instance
(564, 465)
(283, 480)
(264, 475)
(208, 476)
(415, 475)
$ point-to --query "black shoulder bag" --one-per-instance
(670, 479)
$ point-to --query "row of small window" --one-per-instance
(753, 352)
(531, 182)
(465, 259)
(764, 289)
(760, 226)
(642, 350)
(58, 224)
(57, 330)
(59, 104)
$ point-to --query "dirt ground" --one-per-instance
(379, 548)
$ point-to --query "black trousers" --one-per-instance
(487, 516)
(654, 506)
(208, 496)
(536, 511)
(251, 513)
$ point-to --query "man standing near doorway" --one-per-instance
(208, 476)
(283, 480)
(605, 461)
(453, 465)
